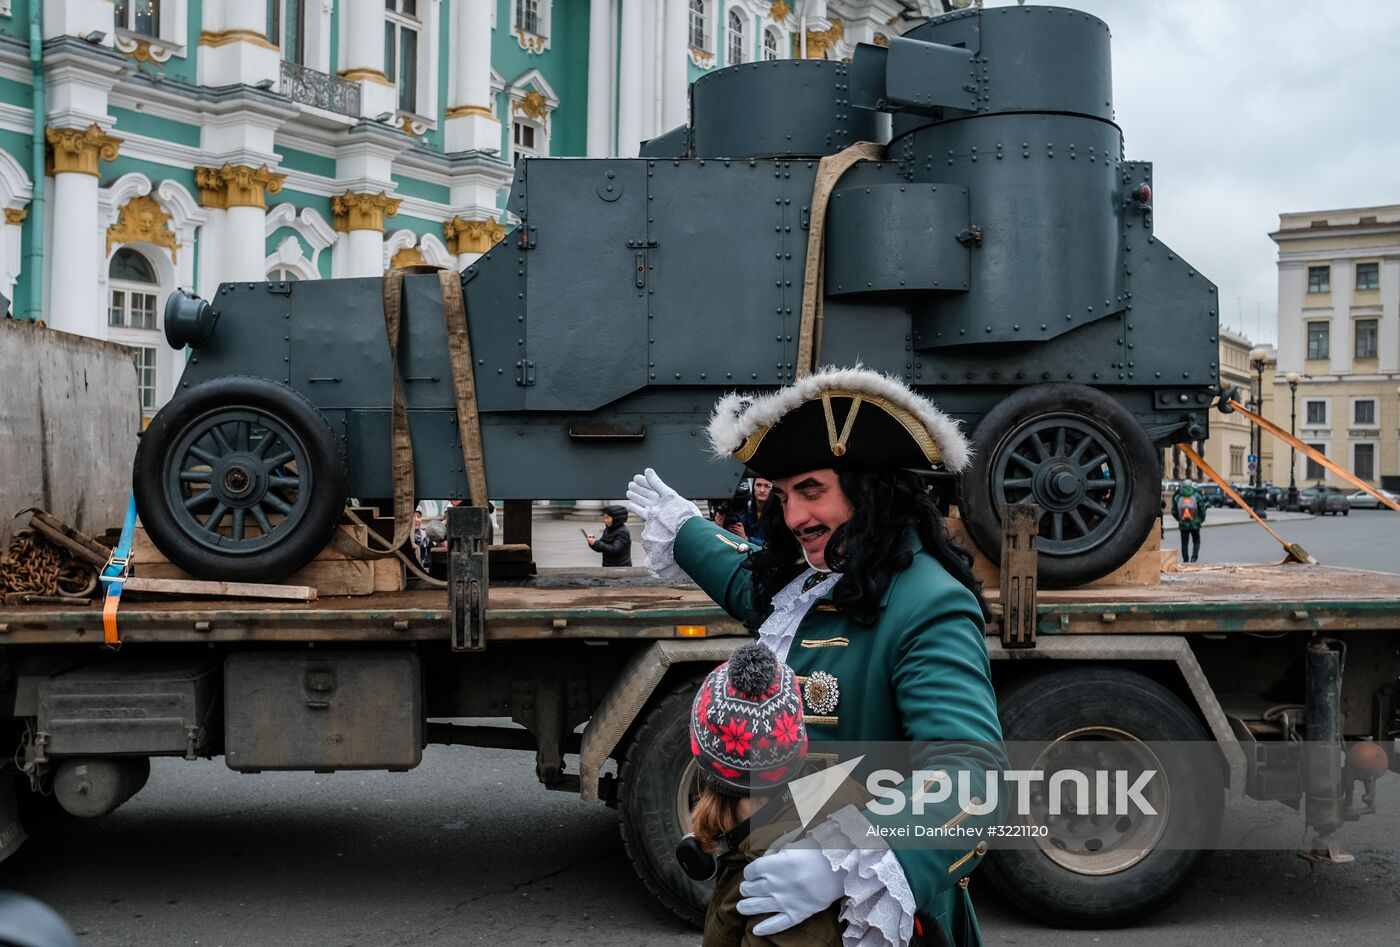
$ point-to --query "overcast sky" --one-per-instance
(1250, 108)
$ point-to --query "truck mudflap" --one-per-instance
(1173, 649)
(631, 691)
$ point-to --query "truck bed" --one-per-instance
(601, 604)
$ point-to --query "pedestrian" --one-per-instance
(862, 592)
(616, 542)
(744, 806)
(1189, 508)
(422, 543)
(752, 517)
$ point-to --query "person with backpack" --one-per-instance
(1189, 508)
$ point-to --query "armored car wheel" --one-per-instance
(1084, 459)
(1105, 870)
(239, 479)
(657, 787)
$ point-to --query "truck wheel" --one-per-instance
(1090, 872)
(1084, 459)
(657, 786)
(239, 479)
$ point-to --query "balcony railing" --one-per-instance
(320, 90)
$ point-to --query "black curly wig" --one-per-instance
(869, 549)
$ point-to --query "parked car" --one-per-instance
(1259, 498)
(1213, 495)
(1326, 499)
(1361, 500)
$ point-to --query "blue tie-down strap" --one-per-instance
(114, 575)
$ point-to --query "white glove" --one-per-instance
(791, 885)
(647, 492)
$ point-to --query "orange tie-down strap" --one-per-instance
(1295, 552)
(1315, 454)
(110, 636)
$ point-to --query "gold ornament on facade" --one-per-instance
(362, 211)
(779, 11)
(365, 75)
(533, 105)
(142, 220)
(819, 41)
(462, 111)
(225, 37)
(472, 236)
(237, 185)
(14, 216)
(408, 256)
(530, 42)
(79, 150)
(702, 57)
(144, 50)
(881, 39)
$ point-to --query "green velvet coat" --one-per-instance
(921, 673)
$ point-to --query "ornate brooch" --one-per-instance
(821, 693)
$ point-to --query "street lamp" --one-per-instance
(1292, 378)
(1258, 357)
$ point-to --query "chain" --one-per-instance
(34, 565)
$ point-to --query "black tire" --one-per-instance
(1067, 490)
(650, 779)
(232, 432)
(1045, 708)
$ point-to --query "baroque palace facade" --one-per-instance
(147, 145)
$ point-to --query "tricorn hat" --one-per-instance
(842, 418)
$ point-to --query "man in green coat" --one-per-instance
(860, 590)
(1189, 508)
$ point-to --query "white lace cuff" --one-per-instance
(878, 906)
(663, 522)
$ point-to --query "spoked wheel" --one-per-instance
(239, 479)
(1084, 460)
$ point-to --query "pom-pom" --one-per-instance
(752, 669)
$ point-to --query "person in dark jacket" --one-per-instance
(616, 542)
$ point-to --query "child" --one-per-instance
(616, 542)
(748, 739)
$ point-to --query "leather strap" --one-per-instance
(1295, 552)
(459, 349)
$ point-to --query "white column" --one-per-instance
(600, 78)
(244, 252)
(366, 250)
(360, 217)
(674, 73)
(1389, 340)
(212, 265)
(234, 49)
(470, 124)
(1343, 280)
(70, 303)
(77, 18)
(629, 81)
(362, 56)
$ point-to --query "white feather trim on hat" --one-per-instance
(737, 416)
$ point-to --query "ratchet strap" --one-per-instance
(1296, 553)
(829, 172)
(1315, 454)
(114, 576)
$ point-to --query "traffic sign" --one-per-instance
(1251, 458)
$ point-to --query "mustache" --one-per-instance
(811, 532)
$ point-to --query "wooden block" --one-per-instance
(329, 577)
(294, 593)
(389, 575)
(144, 551)
(1143, 569)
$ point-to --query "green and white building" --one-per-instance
(152, 144)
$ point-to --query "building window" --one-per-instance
(527, 140)
(527, 15)
(285, 29)
(1366, 330)
(1312, 470)
(1363, 461)
(698, 39)
(1319, 279)
(1237, 461)
(1318, 334)
(138, 16)
(282, 274)
(1363, 411)
(771, 41)
(1315, 413)
(736, 38)
(1368, 276)
(132, 315)
(401, 26)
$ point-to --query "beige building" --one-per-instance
(1339, 340)
(1228, 448)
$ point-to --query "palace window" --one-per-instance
(1312, 470)
(527, 139)
(1366, 331)
(1237, 461)
(1368, 276)
(1363, 461)
(698, 39)
(1318, 337)
(132, 317)
(138, 16)
(527, 15)
(401, 26)
(1315, 413)
(736, 38)
(286, 30)
(283, 274)
(1319, 279)
(1363, 411)
(771, 42)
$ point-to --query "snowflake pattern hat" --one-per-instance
(746, 729)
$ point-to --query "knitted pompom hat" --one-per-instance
(746, 729)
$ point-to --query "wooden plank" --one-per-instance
(187, 587)
(144, 551)
(1143, 569)
(330, 577)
